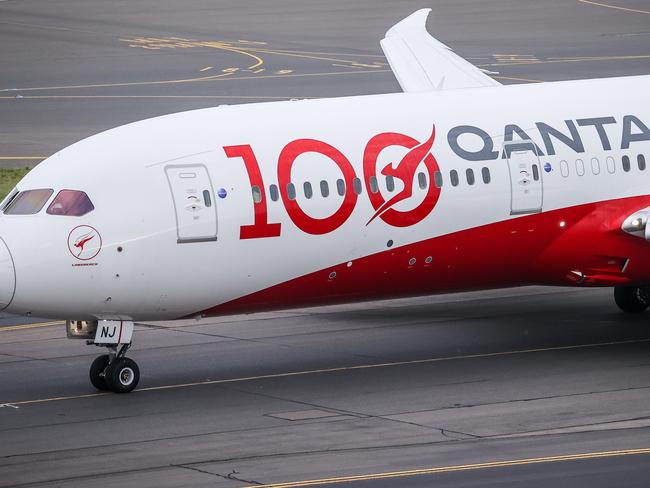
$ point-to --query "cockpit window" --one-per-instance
(28, 202)
(72, 203)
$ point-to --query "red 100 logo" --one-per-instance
(418, 153)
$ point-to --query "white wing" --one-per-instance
(422, 63)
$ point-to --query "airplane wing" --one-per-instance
(421, 63)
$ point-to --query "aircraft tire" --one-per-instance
(631, 299)
(123, 375)
(97, 368)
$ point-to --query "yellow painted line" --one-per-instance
(615, 7)
(460, 467)
(221, 77)
(337, 370)
(111, 85)
(528, 80)
(567, 60)
(31, 326)
(350, 66)
(21, 158)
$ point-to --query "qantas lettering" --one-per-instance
(633, 130)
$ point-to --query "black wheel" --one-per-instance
(123, 375)
(631, 299)
(97, 369)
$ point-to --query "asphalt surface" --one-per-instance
(509, 376)
(72, 68)
(528, 387)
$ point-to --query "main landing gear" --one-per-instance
(113, 371)
(632, 299)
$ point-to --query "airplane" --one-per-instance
(457, 183)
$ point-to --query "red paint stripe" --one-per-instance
(119, 339)
(532, 249)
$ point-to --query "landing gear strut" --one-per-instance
(632, 299)
(115, 372)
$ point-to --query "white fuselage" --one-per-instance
(159, 257)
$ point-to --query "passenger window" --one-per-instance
(485, 172)
(640, 159)
(71, 203)
(390, 183)
(340, 187)
(291, 191)
(307, 188)
(564, 168)
(535, 172)
(453, 177)
(437, 179)
(374, 187)
(29, 202)
(422, 181)
(356, 185)
(273, 193)
(626, 163)
(324, 189)
(580, 167)
(611, 165)
(470, 176)
(257, 194)
(595, 166)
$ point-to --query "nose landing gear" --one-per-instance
(632, 299)
(115, 372)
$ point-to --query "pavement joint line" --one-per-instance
(31, 326)
(615, 7)
(336, 370)
(457, 468)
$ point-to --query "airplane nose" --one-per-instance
(7, 276)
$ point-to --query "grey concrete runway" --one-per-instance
(511, 377)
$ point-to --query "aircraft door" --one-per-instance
(525, 177)
(193, 196)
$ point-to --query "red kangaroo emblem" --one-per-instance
(81, 242)
(405, 171)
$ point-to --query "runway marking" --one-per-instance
(206, 68)
(528, 80)
(128, 83)
(339, 369)
(218, 97)
(221, 77)
(21, 158)
(460, 467)
(247, 50)
(37, 325)
(578, 59)
(616, 7)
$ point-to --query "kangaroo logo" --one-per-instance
(405, 170)
(84, 242)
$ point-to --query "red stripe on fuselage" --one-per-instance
(532, 249)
